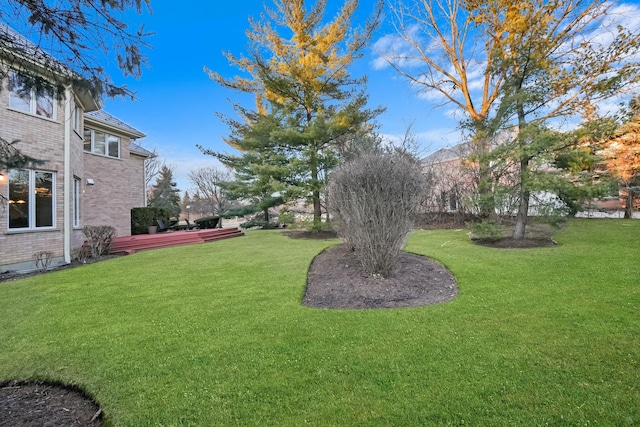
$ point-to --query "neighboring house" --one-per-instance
(92, 171)
(453, 180)
(449, 180)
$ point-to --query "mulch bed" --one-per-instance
(509, 243)
(336, 280)
(38, 404)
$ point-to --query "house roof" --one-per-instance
(106, 119)
(464, 149)
(447, 154)
(137, 149)
(11, 40)
(18, 50)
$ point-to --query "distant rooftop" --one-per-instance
(137, 149)
(101, 116)
(447, 154)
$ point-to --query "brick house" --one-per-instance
(92, 171)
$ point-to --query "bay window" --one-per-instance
(31, 199)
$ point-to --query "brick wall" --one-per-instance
(43, 139)
(118, 187)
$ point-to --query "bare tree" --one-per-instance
(210, 181)
(152, 167)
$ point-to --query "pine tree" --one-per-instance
(165, 193)
(304, 89)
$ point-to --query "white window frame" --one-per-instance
(77, 118)
(31, 211)
(77, 190)
(32, 100)
(90, 134)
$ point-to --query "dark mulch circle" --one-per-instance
(510, 243)
(335, 280)
(39, 404)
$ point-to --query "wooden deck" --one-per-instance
(131, 244)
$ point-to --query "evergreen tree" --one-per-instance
(165, 193)
(310, 101)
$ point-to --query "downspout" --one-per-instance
(66, 228)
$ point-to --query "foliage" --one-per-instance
(621, 153)
(487, 230)
(99, 239)
(535, 60)
(258, 222)
(12, 158)
(142, 218)
(286, 217)
(374, 198)
(165, 194)
(552, 67)
(260, 170)
(78, 32)
(443, 50)
(306, 100)
(227, 342)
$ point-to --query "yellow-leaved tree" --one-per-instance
(298, 63)
(519, 65)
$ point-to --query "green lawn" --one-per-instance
(215, 334)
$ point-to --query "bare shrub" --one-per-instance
(374, 198)
(43, 260)
(99, 239)
(82, 254)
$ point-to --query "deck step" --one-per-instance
(131, 244)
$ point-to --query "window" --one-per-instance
(453, 202)
(97, 142)
(31, 199)
(24, 97)
(77, 117)
(76, 201)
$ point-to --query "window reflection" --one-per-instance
(18, 199)
(31, 199)
(23, 96)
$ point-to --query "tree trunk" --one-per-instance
(523, 205)
(525, 194)
(315, 192)
(628, 209)
(522, 215)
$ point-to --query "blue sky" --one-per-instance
(177, 100)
